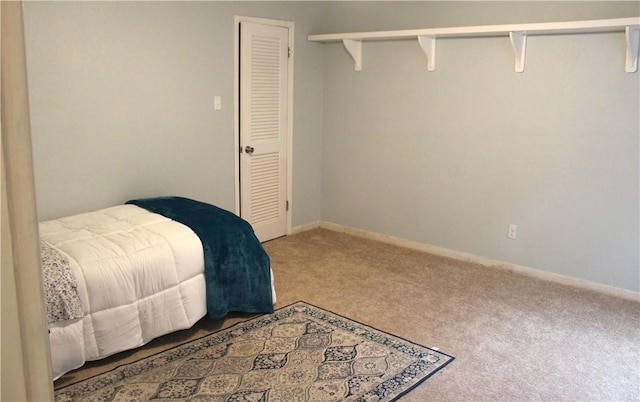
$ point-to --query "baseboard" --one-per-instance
(486, 262)
(305, 227)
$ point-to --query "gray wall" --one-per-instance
(451, 157)
(122, 107)
(122, 101)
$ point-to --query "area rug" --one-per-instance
(298, 353)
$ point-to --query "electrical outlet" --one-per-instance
(512, 232)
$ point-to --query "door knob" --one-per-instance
(248, 149)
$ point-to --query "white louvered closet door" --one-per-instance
(263, 128)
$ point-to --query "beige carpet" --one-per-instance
(514, 338)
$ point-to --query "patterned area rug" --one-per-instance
(299, 353)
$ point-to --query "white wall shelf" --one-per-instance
(517, 34)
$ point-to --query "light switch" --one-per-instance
(217, 103)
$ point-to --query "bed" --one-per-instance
(119, 277)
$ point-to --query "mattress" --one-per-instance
(139, 275)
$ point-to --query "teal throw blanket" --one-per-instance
(237, 269)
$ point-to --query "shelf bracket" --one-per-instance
(428, 45)
(632, 34)
(354, 47)
(519, 44)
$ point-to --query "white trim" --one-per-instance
(29, 370)
(486, 262)
(306, 227)
(237, 19)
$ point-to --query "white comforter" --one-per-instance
(139, 275)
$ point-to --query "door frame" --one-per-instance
(236, 109)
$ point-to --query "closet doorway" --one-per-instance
(263, 92)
